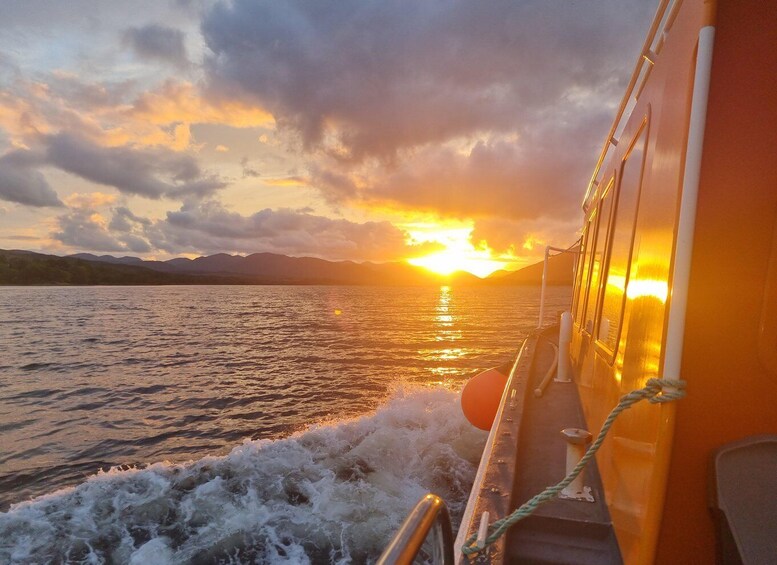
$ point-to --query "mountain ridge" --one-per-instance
(256, 268)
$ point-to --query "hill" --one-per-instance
(26, 267)
(282, 269)
(560, 272)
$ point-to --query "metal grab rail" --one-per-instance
(429, 515)
(559, 250)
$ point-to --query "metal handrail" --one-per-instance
(429, 515)
(559, 250)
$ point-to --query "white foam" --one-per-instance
(334, 493)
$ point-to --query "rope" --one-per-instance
(656, 391)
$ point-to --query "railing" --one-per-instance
(429, 515)
(559, 250)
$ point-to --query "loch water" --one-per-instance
(239, 424)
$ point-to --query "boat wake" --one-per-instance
(334, 493)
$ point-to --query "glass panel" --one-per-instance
(596, 263)
(620, 248)
(580, 273)
(585, 277)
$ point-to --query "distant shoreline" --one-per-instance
(26, 268)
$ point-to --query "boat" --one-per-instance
(670, 342)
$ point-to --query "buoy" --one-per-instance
(480, 398)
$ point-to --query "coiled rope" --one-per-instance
(656, 391)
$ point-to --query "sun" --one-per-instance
(448, 261)
(458, 253)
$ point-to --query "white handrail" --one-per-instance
(548, 249)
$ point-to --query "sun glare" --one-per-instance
(458, 254)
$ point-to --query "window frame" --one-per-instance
(597, 210)
(602, 348)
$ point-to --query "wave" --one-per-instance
(334, 493)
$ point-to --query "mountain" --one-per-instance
(26, 267)
(29, 268)
(560, 272)
(127, 260)
(281, 269)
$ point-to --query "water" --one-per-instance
(238, 424)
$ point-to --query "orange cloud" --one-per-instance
(89, 200)
(163, 117)
(182, 102)
(20, 118)
(287, 181)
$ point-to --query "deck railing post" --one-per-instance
(548, 249)
(564, 339)
(542, 292)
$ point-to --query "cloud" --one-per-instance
(20, 182)
(176, 101)
(86, 230)
(490, 112)
(125, 221)
(158, 42)
(524, 238)
(370, 77)
(287, 182)
(89, 200)
(115, 113)
(248, 171)
(517, 179)
(209, 227)
(144, 172)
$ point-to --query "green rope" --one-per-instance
(656, 391)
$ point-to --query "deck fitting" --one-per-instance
(577, 441)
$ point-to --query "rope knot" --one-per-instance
(666, 390)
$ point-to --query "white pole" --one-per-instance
(675, 328)
(564, 340)
(542, 292)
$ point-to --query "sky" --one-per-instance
(446, 132)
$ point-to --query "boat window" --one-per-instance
(579, 273)
(585, 275)
(599, 249)
(622, 235)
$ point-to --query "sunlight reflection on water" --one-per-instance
(99, 376)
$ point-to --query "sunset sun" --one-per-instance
(458, 253)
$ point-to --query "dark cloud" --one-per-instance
(81, 229)
(247, 170)
(89, 96)
(20, 182)
(206, 227)
(209, 227)
(124, 220)
(541, 173)
(152, 173)
(381, 75)
(158, 42)
(136, 244)
(84, 229)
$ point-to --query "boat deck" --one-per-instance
(528, 455)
